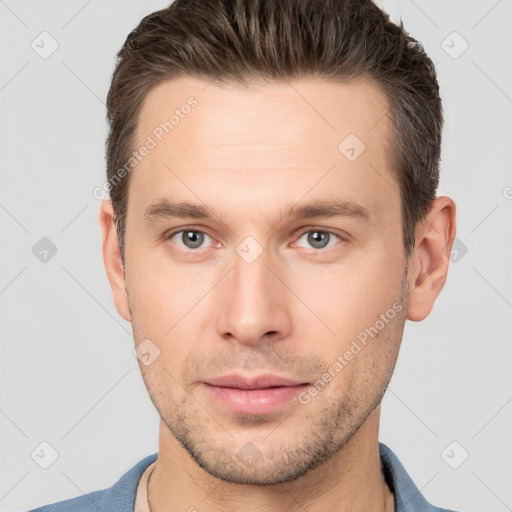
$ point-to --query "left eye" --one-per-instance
(319, 239)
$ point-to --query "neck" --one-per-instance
(351, 480)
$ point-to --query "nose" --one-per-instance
(253, 304)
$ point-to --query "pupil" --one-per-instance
(193, 239)
(318, 239)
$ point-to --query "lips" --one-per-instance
(253, 395)
(258, 382)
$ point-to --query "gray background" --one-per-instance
(68, 373)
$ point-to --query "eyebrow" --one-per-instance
(164, 209)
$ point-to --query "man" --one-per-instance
(272, 224)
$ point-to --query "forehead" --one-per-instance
(261, 140)
(304, 113)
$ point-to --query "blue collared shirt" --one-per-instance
(121, 496)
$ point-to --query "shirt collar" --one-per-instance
(408, 497)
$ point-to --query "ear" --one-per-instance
(112, 259)
(431, 257)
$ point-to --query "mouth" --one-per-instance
(256, 395)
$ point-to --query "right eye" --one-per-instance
(189, 238)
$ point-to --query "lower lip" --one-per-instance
(254, 401)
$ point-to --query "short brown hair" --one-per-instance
(276, 40)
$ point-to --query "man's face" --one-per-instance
(251, 291)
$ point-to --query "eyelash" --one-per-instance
(299, 236)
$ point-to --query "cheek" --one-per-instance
(169, 309)
(161, 293)
(349, 297)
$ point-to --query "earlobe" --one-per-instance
(431, 257)
(112, 259)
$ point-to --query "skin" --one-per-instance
(248, 153)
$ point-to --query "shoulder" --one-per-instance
(120, 497)
(408, 497)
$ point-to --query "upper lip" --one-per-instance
(256, 382)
